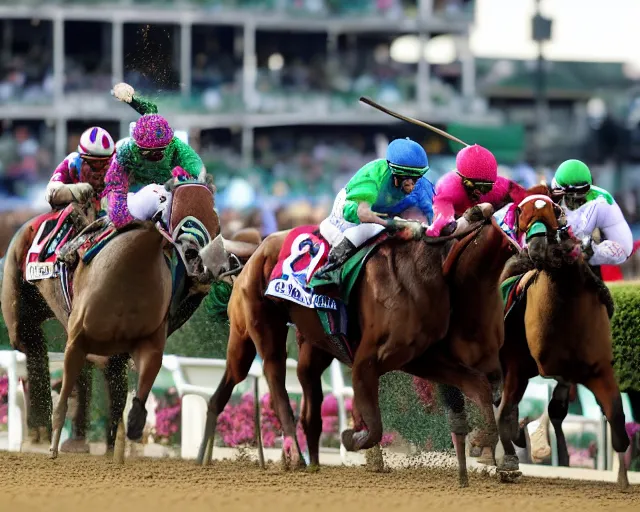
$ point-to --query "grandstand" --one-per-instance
(76, 32)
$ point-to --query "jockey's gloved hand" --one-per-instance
(586, 247)
(81, 192)
(123, 92)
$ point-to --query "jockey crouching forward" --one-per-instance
(475, 180)
(387, 185)
(80, 176)
(589, 208)
(142, 164)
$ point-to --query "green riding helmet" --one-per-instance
(573, 173)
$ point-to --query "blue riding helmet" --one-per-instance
(407, 158)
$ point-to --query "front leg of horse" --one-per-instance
(607, 393)
(558, 410)
(148, 359)
(274, 372)
(77, 443)
(74, 359)
(459, 426)
(508, 428)
(40, 403)
(312, 363)
(368, 433)
(115, 375)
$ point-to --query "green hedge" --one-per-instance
(625, 326)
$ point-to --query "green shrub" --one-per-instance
(625, 327)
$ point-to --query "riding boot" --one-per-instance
(338, 255)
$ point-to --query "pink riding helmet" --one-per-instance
(152, 131)
(477, 163)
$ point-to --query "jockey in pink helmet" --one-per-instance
(144, 162)
(475, 180)
(80, 175)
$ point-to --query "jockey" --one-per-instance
(81, 174)
(387, 185)
(135, 180)
(588, 208)
(475, 180)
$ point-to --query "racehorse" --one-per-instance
(124, 300)
(558, 328)
(430, 307)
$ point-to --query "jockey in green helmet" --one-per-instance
(588, 208)
(389, 186)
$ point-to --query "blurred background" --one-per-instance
(267, 91)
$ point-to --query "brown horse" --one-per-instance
(420, 306)
(120, 302)
(561, 329)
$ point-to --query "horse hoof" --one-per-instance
(137, 421)
(313, 468)
(463, 481)
(75, 446)
(54, 454)
(508, 477)
(510, 463)
(475, 452)
(347, 440)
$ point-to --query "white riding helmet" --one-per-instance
(96, 142)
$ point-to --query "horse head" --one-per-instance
(190, 217)
(551, 244)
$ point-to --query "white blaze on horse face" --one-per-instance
(215, 257)
(540, 204)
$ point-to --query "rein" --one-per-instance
(469, 235)
(435, 240)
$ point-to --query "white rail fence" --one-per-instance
(196, 379)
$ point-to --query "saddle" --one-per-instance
(53, 229)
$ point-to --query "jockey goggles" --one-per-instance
(95, 162)
(407, 172)
(484, 187)
(578, 190)
(152, 152)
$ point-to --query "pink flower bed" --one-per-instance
(236, 424)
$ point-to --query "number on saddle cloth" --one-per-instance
(54, 230)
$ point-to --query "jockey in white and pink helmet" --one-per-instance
(80, 175)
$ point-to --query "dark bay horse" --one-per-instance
(418, 307)
(561, 329)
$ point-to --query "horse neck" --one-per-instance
(568, 279)
(484, 259)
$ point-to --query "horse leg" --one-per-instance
(473, 384)
(77, 443)
(40, 403)
(74, 359)
(515, 384)
(240, 354)
(312, 362)
(459, 426)
(115, 375)
(558, 410)
(148, 360)
(365, 396)
(275, 372)
(607, 393)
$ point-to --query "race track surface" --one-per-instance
(34, 483)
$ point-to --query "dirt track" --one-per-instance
(32, 482)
